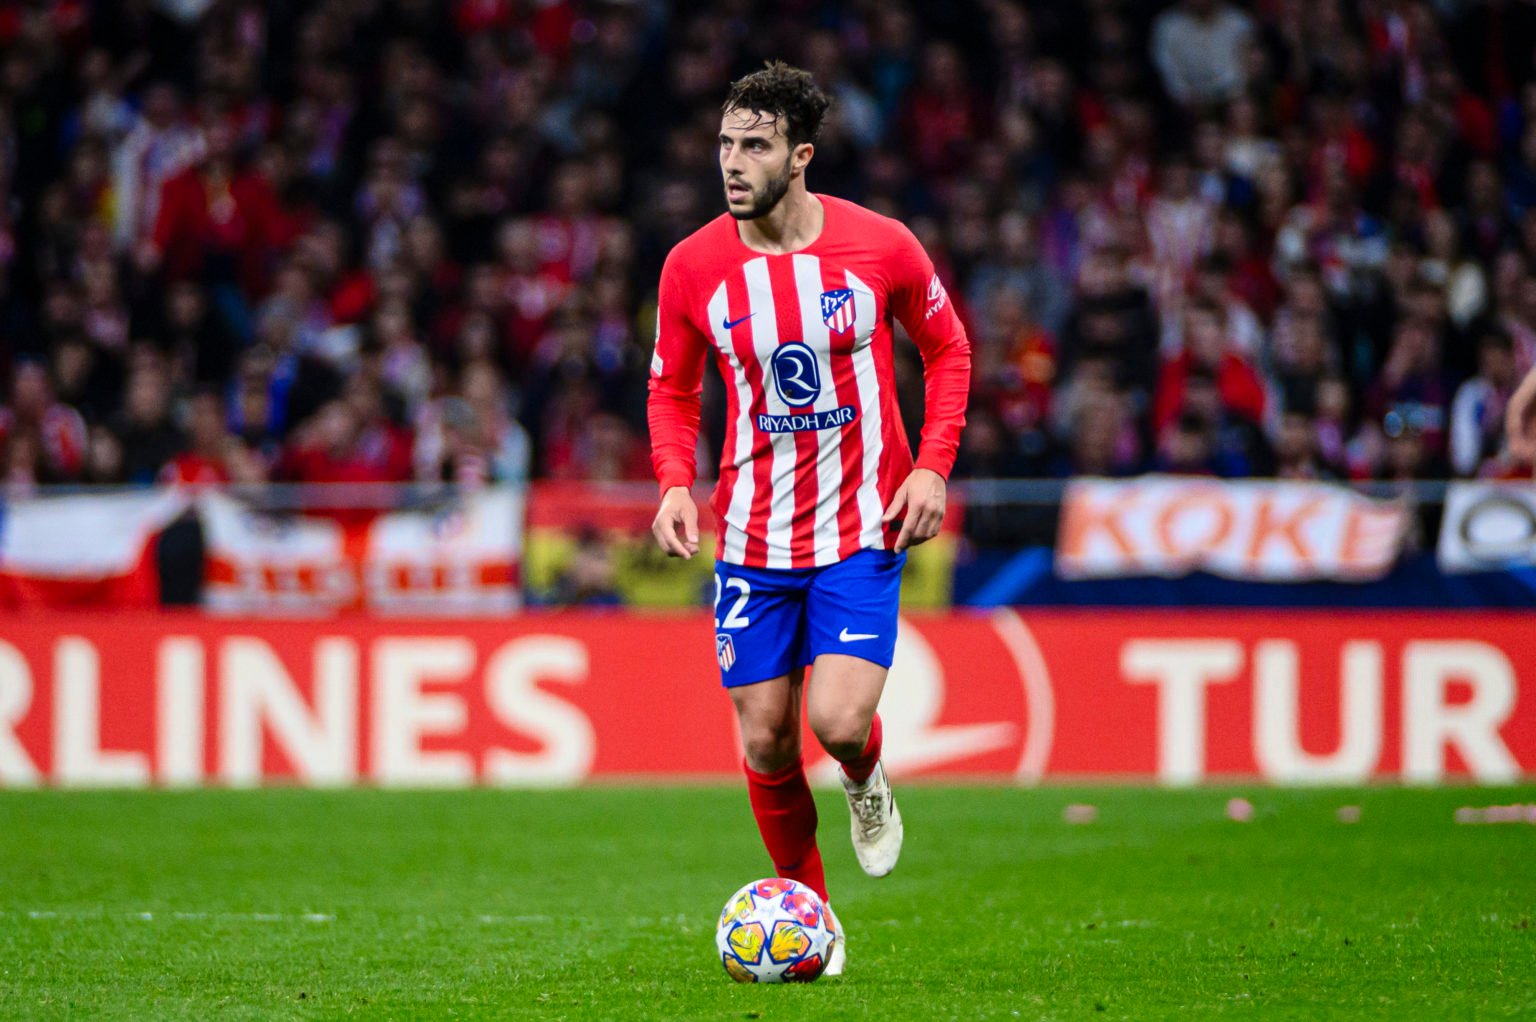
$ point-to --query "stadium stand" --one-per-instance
(376, 240)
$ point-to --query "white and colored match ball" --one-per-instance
(774, 931)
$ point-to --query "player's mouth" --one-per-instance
(735, 191)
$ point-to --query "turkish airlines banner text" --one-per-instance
(144, 699)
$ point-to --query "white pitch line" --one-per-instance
(149, 917)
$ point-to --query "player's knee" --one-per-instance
(770, 748)
(842, 733)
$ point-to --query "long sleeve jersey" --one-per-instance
(814, 445)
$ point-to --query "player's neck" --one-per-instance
(790, 226)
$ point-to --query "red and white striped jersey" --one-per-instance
(814, 444)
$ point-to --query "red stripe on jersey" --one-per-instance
(852, 448)
(786, 310)
(744, 344)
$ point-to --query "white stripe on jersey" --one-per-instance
(829, 453)
(734, 540)
(870, 509)
(781, 486)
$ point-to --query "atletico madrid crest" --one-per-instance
(837, 309)
(725, 651)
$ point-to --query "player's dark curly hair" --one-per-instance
(779, 90)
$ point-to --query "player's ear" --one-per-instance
(801, 156)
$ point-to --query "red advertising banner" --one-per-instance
(141, 699)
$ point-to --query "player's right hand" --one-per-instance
(1520, 419)
(676, 527)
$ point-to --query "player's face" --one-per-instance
(757, 162)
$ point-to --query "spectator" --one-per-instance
(1409, 396)
(150, 438)
(590, 578)
(1014, 262)
(205, 460)
(1230, 445)
(1208, 351)
(1296, 448)
(50, 435)
(1477, 412)
(214, 220)
(1101, 440)
(157, 148)
(474, 439)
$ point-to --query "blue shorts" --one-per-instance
(769, 621)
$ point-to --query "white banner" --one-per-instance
(83, 537)
(1264, 531)
(462, 559)
(1488, 527)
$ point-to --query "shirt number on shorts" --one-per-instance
(734, 617)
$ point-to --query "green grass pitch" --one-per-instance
(600, 904)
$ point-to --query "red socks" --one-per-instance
(786, 817)
(786, 813)
(858, 770)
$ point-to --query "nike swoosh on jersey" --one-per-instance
(730, 324)
(846, 636)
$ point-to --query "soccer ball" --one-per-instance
(774, 931)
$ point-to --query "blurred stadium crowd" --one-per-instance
(373, 240)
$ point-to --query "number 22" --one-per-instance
(733, 618)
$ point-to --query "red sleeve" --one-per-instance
(677, 374)
(922, 305)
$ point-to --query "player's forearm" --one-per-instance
(946, 387)
(674, 427)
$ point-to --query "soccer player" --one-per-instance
(794, 294)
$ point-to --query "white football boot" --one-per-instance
(838, 956)
(876, 822)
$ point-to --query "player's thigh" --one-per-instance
(851, 620)
(841, 700)
(768, 714)
(759, 623)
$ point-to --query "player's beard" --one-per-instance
(764, 201)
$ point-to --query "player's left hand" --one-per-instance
(922, 497)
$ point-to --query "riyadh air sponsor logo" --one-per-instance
(937, 296)
(1004, 724)
(796, 374)
(807, 421)
(837, 309)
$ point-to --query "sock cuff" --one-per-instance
(783, 775)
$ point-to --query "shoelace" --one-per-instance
(871, 811)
